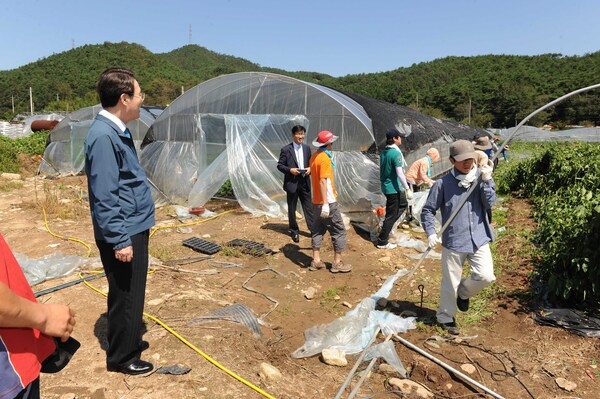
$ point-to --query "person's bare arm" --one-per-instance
(323, 187)
(55, 320)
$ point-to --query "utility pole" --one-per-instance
(12, 99)
(31, 100)
(469, 110)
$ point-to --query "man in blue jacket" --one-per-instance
(467, 237)
(122, 214)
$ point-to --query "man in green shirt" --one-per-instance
(393, 185)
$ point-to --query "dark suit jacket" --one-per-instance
(287, 160)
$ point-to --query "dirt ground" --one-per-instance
(512, 355)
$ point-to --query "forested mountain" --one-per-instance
(490, 90)
(495, 90)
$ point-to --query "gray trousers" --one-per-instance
(334, 224)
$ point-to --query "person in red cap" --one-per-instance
(326, 210)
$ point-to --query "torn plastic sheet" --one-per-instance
(50, 266)
(387, 351)
(571, 319)
(353, 331)
(238, 313)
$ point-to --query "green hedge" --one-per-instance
(563, 182)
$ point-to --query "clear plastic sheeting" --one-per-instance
(233, 127)
(530, 133)
(50, 266)
(249, 161)
(64, 154)
(353, 331)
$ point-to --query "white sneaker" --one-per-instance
(389, 245)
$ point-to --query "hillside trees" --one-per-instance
(488, 90)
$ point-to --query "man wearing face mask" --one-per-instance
(468, 235)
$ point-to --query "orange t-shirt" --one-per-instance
(320, 168)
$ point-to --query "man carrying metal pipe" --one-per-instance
(468, 235)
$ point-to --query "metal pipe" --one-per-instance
(366, 371)
(447, 367)
(358, 362)
(466, 195)
(510, 136)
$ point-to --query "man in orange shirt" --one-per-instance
(326, 210)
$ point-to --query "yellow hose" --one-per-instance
(156, 228)
(158, 321)
(66, 238)
(189, 344)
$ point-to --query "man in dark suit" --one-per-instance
(293, 163)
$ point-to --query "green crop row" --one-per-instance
(562, 180)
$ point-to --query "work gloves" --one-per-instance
(432, 241)
(409, 194)
(325, 211)
(486, 172)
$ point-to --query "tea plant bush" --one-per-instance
(33, 144)
(563, 182)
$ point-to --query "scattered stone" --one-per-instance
(69, 395)
(387, 370)
(336, 298)
(347, 304)
(468, 368)
(410, 388)
(334, 357)
(565, 384)
(269, 372)
(156, 302)
(310, 293)
(184, 230)
(205, 235)
(384, 259)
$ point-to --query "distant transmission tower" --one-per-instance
(190, 38)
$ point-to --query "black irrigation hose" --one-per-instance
(69, 284)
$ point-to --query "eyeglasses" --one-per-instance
(142, 95)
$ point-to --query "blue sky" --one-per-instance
(329, 36)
